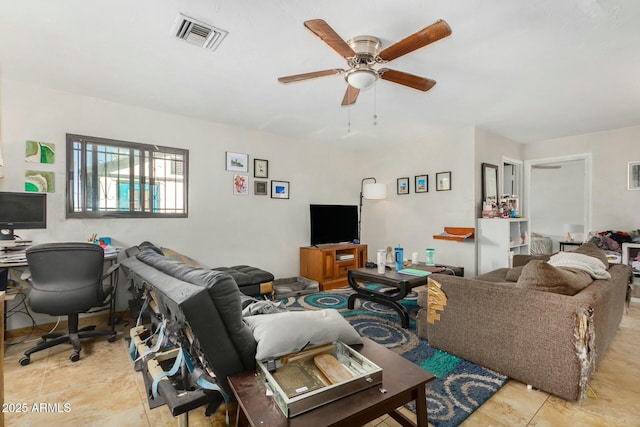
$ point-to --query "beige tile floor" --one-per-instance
(102, 389)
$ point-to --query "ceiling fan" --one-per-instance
(362, 52)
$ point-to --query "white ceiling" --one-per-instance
(527, 70)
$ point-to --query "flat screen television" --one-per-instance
(20, 211)
(333, 223)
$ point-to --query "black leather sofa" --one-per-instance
(198, 312)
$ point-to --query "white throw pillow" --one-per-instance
(278, 334)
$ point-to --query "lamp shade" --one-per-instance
(572, 228)
(374, 190)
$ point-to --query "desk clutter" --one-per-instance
(104, 243)
(13, 252)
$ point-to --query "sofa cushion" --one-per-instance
(514, 274)
(592, 250)
(246, 275)
(541, 276)
(278, 334)
(494, 276)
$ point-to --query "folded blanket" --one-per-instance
(589, 264)
(264, 307)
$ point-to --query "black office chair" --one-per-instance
(67, 279)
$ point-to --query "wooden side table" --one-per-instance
(402, 382)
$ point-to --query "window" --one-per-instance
(109, 178)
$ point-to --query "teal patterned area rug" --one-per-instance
(460, 387)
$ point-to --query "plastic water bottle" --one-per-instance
(399, 257)
(431, 257)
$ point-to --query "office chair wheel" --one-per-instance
(112, 338)
(24, 361)
(74, 357)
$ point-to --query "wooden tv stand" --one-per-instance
(322, 264)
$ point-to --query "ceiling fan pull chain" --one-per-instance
(349, 118)
(375, 105)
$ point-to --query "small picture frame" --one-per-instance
(237, 162)
(260, 168)
(633, 176)
(279, 189)
(443, 181)
(241, 185)
(403, 185)
(422, 184)
(260, 188)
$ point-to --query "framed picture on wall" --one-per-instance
(422, 184)
(443, 181)
(260, 188)
(241, 185)
(403, 186)
(260, 168)
(279, 189)
(633, 176)
(237, 162)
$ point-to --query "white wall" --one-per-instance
(222, 229)
(613, 206)
(411, 220)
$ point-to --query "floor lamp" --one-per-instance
(370, 191)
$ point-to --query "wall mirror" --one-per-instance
(489, 182)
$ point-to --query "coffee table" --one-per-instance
(398, 286)
(402, 382)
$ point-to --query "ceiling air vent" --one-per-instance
(197, 32)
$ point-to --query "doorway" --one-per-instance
(511, 180)
(558, 197)
(511, 177)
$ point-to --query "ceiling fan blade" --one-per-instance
(406, 79)
(321, 29)
(307, 76)
(350, 95)
(427, 35)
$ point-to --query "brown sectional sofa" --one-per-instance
(548, 340)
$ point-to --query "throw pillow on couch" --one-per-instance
(278, 334)
(565, 273)
(541, 276)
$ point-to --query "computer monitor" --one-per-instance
(21, 211)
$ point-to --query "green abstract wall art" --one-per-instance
(40, 152)
(39, 181)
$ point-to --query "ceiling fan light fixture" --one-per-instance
(361, 77)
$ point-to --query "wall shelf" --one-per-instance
(457, 234)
